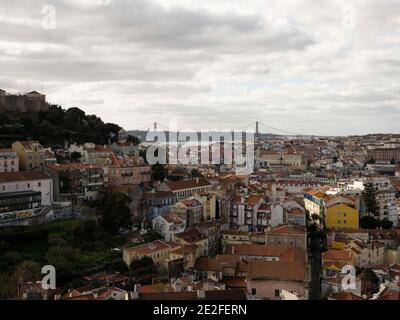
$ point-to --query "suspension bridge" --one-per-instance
(260, 129)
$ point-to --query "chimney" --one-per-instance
(201, 294)
(197, 180)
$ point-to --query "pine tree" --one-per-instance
(369, 198)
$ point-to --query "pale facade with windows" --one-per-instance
(30, 154)
(9, 161)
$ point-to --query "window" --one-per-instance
(276, 292)
(39, 184)
(253, 291)
(28, 185)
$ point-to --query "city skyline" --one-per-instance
(211, 65)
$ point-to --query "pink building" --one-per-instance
(269, 280)
(124, 170)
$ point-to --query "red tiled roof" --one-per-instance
(345, 296)
(217, 263)
(22, 176)
(191, 236)
(146, 249)
(288, 229)
(340, 255)
(283, 252)
(187, 184)
(277, 270)
(234, 282)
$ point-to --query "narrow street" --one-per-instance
(316, 268)
(315, 249)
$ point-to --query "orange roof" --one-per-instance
(277, 270)
(157, 287)
(264, 207)
(172, 217)
(345, 296)
(216, 264)
(187, 184)
(234, 282)
(288, 229)
(28, 143)
(340, 255)
(191, 236)
(297, 212)
(148, 248)
(250, 200)
(22, 176)
(283, 252)
(73, 166)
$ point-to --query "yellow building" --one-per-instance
(341, 215)
(30, 154)
(157, 250)
(193, 237)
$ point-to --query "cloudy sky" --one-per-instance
(305, 66)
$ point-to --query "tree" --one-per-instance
(369, 222)
(370, 276)
(116, 264)
(130, 285)
(369, 197)
(194, 173)
(76, 156)
(133, 139)
(87, 231)
(26, 271)
(115, 212)
(62, 257)
(158, 172)
(386, 224)
(144, 264)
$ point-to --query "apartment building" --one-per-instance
(289, 157)
(245, 213)
(126, 170)
(191, 210)
(185, 188)
(23, 194)
(155, 203)
(91, 153)
(9, 161)
(168, 225)
(31, 154)
(157, 250)
(73, 181)
(293, 235)
(270, 279)
(385, 155)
